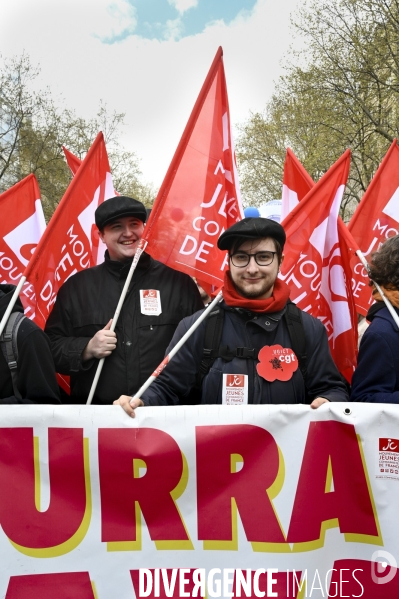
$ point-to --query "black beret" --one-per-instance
(252, 228)
(118, 207)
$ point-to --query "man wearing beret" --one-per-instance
(157, 299)
(255, 362)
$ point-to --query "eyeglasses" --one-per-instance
(241, 259)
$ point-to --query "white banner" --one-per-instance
(255, 500)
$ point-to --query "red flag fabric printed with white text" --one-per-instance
(199, 197)
(21, 228)
(375, 220)
(71, 242)
(316, 266)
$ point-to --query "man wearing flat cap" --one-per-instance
(268, 351)
(157, 299)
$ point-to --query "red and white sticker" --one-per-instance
(150, 302)
(388, 458)
(235, 389)
(276, 363)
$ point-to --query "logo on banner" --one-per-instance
(276, 363)
(150, 302)
(235, 389)
(388, 458)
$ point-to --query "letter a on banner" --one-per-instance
(199, 197)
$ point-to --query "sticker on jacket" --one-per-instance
(150, 302)
(276, 363)
(235, 389)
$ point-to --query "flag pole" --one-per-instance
(178, 346)
(140, 249)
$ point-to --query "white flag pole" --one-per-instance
(11, 304)
(178, 345)
(384, 297)
(140, 249)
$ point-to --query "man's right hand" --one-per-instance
(129, 404)
(101, 345)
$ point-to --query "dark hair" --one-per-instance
(240, 240)
(384, 265)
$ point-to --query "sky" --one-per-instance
(149, 58)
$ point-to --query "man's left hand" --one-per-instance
(316, 403)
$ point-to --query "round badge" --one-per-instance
(276, 363)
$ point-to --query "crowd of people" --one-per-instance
(255, 346)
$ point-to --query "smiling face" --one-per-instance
(254, 281)
(122, 237)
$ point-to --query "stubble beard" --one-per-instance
(255, 294)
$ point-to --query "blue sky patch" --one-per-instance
(165, 19)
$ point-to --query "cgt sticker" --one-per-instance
(276, 363)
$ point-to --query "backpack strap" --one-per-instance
(293, 319)
(213, 336)
(9, 347)
(213, 349)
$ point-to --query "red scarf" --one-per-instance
(275, 303)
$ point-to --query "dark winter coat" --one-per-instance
(85, 304)
(376, 378)
(36, 379)
(252, 330)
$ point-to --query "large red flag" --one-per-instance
(375, 219)
(319, 273)
(21, 226)
(70, 242)
(73, 161)
(199, 197)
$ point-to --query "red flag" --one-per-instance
(199, 197)
(375, 219)
(73, 161)
(316, 266)
(296, 183)
(21, 226)
(70, 242)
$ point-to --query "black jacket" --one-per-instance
(85, 304)
(376, 378)
(251, 330)
(36, 373)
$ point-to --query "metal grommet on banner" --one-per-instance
(347, 411)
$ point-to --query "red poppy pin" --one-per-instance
(276, 363)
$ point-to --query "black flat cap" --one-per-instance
(252, 228)
(118, 207)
